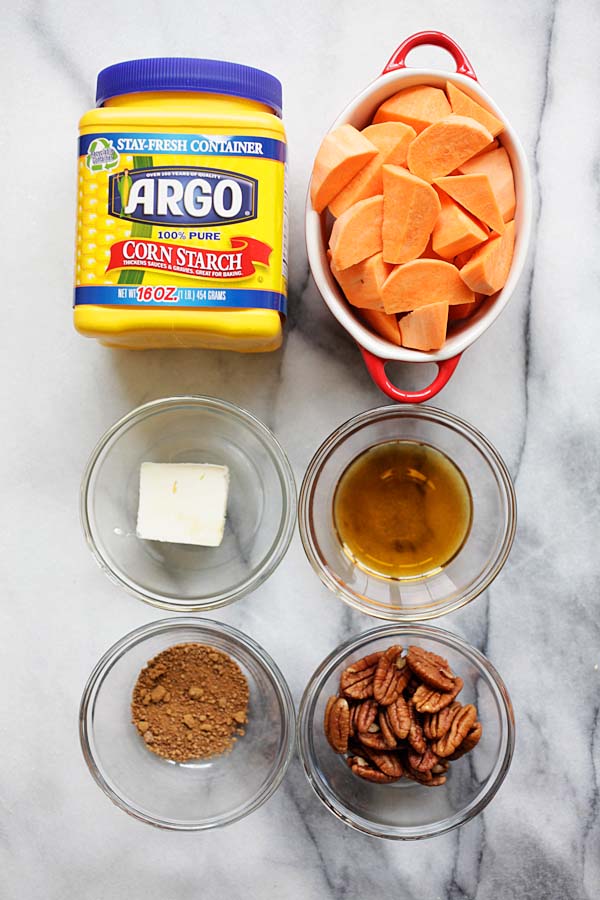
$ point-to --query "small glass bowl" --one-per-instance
(199, 794)
(468, 573)
(260, 509)
(405, 810)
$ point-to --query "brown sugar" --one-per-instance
(190, 702)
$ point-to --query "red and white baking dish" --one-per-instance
(376, 350)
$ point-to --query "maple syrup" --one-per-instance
(402, 510)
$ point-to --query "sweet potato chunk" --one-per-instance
(417, 106)
(392, 140)
(463, 258)
(425, 328)
(488, 149)
(487, 270)
(463, 105)
(410, 209)
(421, 283)
(445, 145)
(464, 310)
(429, 253)
(455, 230)
(343, 152)
(362, 282)
(384, 325)
(496, 165)
(356, 235)
(475, 193)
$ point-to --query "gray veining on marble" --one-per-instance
(531, 384)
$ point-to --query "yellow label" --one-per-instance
(181, 221)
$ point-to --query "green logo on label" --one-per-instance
(101, 156)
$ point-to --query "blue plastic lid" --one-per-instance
(211, 76)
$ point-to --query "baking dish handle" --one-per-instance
(437, 39)
(376, 367)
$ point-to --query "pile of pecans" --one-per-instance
(397, 714)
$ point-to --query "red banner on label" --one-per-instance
(199, 262)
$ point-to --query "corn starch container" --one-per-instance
(182, 224)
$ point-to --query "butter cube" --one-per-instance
(183, 503)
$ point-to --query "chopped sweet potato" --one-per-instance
(464, 310)
(417, 106)
(421, 283)
(410, 209)
(463, 105)
(429, 252)
(425, 328)
(356, 235)
(343, 152)
(493, 146)
(475, 193)
(455, 230)
(424, 208)
(496, 165)
(391, 140)
(487, 270)
(386, 326)
(463, 258)
(362, 282)
(445, 145)
(487, 149)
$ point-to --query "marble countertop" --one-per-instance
(531, 384)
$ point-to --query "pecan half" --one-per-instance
(398, 716)
(414, 774)
(389, 763)
(356, 681)
(363, 769)
(390, 677)
(461, 725)
(428, 700)
(471, 740)
(373, 738)
(415, 734)
(437, 724)
(425, 778)
(337, 723)
(436, 781)
(422, 762)
(431, 668)
(353, 711)
(387, 731)
(411, 687)
(364, 715)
